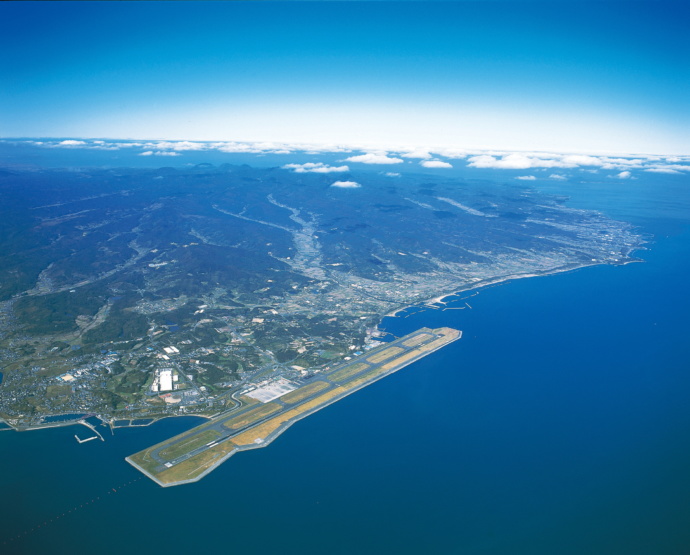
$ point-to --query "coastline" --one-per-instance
(66, 423)
(489, 282)
(424, 304)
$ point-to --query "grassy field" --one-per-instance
(366, 377)
(144, 460)
(416, 340)
(191, 468)
(264, 430)
(303, 392)
(309, 405)
(348, 371)
(251, 416)
(187, 445)
(409, 355)
(385, 354)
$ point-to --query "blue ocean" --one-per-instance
(558, 424)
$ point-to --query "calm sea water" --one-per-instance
(559, 424)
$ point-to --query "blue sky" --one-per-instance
(560, 76)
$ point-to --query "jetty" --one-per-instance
(92, 428)
(84, 440)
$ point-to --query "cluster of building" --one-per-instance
(164, 380)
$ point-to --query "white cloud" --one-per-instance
(435, 164)
(313, 148)
(158, 153)
(71, 142)
(230, 147)
(608, 163)
(509, 162)
(677, 158)
(312, 167)
(523, 161)
(623, 175)
(392, 174)
(457, 153)
(374, 158)
(677, 167)
(103, 147)
(663, 170)
(177, 145)
(187, 145)
(346, 184)
(417, 153)
(251, 148)
(613, 164)
(125, 145)
(526, 177)
(575, 160)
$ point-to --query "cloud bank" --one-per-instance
(663, 170)
(158, 153)
(373, 158)
(70, 142)
(479, 159)
(318, 167)
(417, 153)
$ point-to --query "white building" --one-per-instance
(166, 380)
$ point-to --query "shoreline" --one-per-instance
(489, 282)
(425, 304)
(108, 423)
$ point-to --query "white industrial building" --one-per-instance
(166, 380)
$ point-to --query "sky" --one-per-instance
(600, 77)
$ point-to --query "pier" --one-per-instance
(84, 440)
(93, 429)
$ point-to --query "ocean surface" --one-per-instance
(558, 424)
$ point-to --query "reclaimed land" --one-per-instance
(188, 457)
(303, 392)
(349, 371)
(193, 442)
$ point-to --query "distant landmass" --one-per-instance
(142, 293)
